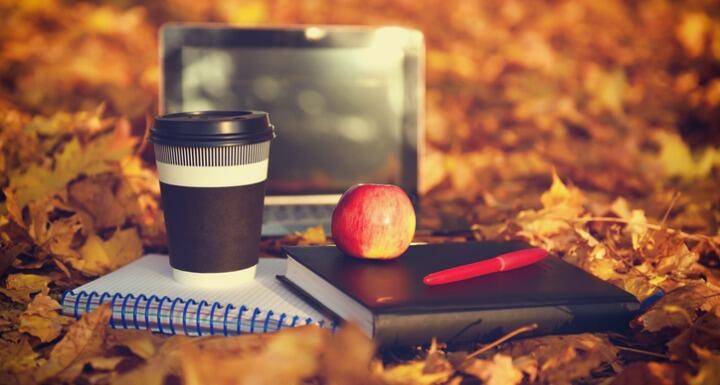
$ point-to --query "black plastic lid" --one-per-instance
(212, 128)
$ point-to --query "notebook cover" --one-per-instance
(555, 294)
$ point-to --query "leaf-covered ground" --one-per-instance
(589, 128)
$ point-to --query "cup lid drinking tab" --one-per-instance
(212, 128)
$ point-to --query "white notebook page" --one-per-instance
(152, 275)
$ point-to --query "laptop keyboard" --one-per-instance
(296, 217)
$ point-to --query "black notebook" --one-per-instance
(391, 304)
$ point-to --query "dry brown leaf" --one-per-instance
(652, 373)
(108, 200)
(709, 372)
(674, 309)
(142, 343)
(19, 286)
(17, 357)
(298, 349)
(498, 371)
(164, 365)
(703, 334)
(41, 318)
(84, 339)
(565, 358)
(347, 357)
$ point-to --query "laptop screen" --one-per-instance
(341, 111)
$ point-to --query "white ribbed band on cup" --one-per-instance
(225, 176)
(223, 166)
(215, 280)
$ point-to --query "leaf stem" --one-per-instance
(640, 351)
(520, 330)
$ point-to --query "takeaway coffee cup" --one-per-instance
(212, 167)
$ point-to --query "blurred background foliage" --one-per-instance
(590, 128)
(612, 94)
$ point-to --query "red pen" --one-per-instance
(504, 262)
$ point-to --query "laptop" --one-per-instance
(347, 103)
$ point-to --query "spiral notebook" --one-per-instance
(143, 295)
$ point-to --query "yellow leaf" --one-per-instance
(41, 318)
(312, 235)
(414, 373)
(499, 371)
(98, 256)
(561, 195)
(41, 181)
(678, 160)
(692, 32)
(251, 12)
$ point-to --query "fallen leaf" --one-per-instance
(312, 235)
(347, 357)
(19, 286)
(563, 359)
(498, 371)
(18, 357)
(703, 334)
(414, 373)
(652, 373)
(41, 318)
(38, 182)
(83, 340)
(164, 365)
(298, 350)
(687, 300)
(98, 256)
(142, 343)
(108, 199)
(709, 371)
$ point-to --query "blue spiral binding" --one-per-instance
(64, 294)
(185, 311)
(215, 305)
(172, 314)
(102, 299)
(122, 310)
(197, 316)
(112, 308)
(239, 319)
(135, 309)
(77, 302)
(225, 320)
(89, 300)
(280, 321)
(159, 312)
(147, 310)
(252, 319)
(268, 317)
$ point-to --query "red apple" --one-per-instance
(375, 221)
